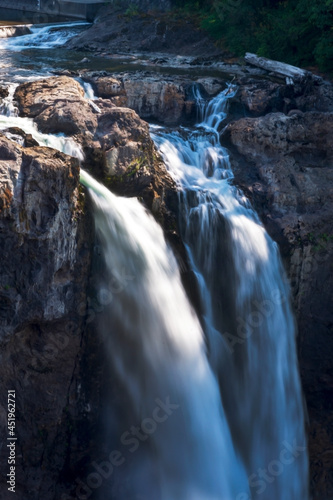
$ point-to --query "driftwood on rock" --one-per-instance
(291, 73)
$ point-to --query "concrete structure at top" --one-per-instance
(47, 10)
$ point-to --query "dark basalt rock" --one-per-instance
(284, 163)
(117, 33)
(45, 239)
(3, 92)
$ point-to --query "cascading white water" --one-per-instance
(7, 106)
(43, 37)
(88, 91)
(9, 119)
(89, 94)
(246, 307)
(60, 142)
(155, 341)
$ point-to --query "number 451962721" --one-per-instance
(11, 413)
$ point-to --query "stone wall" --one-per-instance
(21, 10)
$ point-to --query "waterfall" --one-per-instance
(7, 106)
(43, 37)
(89, 93)
(245, 299)
(154, 340)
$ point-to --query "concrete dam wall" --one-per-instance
(27, 10)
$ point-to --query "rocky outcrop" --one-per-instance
(117, 31)
(57, 105)
(118, 149)
(306, 134)
(151, 97)
(117, 144)
(44, 270)
(164, 98)
(259, 97)
(284, 163)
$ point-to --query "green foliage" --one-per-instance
(299, 32)
(132, 10)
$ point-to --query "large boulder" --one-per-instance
(306, 134)
(150, 97)
(57, 105)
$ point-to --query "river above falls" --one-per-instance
(42, 54)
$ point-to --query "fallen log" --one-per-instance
(291, 73)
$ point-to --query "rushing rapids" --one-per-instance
(38, 54)
(245, 301)
(43, 37)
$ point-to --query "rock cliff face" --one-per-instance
(165, 100)
(284, 163)
(118, 31)
(44, 269)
